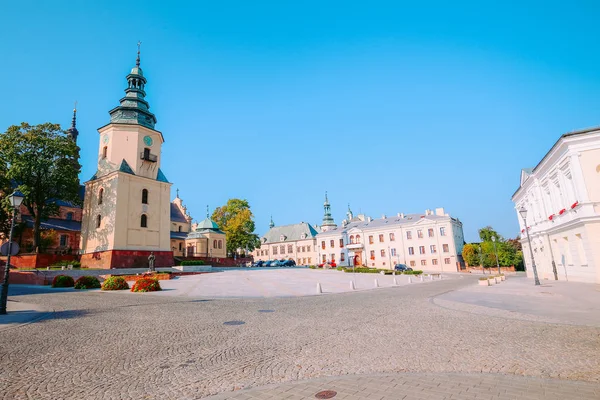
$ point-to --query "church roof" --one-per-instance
(207, 223)
(176, 214)
(161, 176)
(178, 235)
(55, 223)
(290, 233)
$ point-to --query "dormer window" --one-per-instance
(303, 236)
(282, 238)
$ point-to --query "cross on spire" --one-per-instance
(137, 61)
(177, 192)
(207, 211)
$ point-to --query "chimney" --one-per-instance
(369, 219)
(439, 211)
(383, 216)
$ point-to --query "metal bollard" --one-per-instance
(319, 291)
(376, 283)
(395, 281)
(352, 285)
(421, 277)
(409, 279)
(430, 277)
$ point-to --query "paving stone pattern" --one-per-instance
(140, 346)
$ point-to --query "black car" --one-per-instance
(402, 267)
(288, 263)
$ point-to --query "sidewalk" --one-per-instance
(21, 313)
(570, 303)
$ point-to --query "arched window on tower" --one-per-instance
(144, 221)
(214, 244)
(179, 228)
(220, 244)
(98, 221)
(352, 239)
(104, 151)
(100, 195)
(145, 196)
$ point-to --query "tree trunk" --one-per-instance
(37, 233)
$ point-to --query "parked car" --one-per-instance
(289, 263)
(267, 264)
(259, 263)
(402, 267)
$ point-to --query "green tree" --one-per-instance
(486, 234)
(43, 164)
(470, 254)
(237, 221)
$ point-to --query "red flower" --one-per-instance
(574, 205)
(522, 230)
(551, 217)
(561, 212)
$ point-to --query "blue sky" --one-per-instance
(389, 106)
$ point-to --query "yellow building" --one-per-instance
(181, 225)
(126, 211)
(206, 240)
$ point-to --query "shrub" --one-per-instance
(312, 267)
(87, 282)
(63, 281)
(416, 272)
(483, 279)
(192, 262)
(146, 285)
(363, 270)
(115, 283)
(66, 263)
(340, 268)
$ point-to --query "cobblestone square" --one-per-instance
(401, 342)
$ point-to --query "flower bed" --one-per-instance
(63, 281)
(115, 283)
(159, 276)
(146, 285)
(87, 282)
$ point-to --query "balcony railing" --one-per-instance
(148, 157)
(353, 246)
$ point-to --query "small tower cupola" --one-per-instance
(72, 132)
(328, 222)
(134, 109)
(271, 224)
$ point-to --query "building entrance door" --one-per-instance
(358, 258)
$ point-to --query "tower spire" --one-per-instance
(328, 222)
(137, 61)
(72, 132)
(207, 211)
(271, 224)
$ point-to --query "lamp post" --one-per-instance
(481, 260)
(15, 201)
(497, 263)
(523, 212)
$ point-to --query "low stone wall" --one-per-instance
(26, 278)
(126, 259)
(491, 271)
(38, 260)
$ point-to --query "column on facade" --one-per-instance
(579, 186)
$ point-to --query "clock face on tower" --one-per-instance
(148, 141)
(105, 139)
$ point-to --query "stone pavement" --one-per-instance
(280, 283)
(518, 298)
(19, 313)
(409, 386)
(128, 345)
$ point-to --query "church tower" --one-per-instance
(328, 222)
(126, 211)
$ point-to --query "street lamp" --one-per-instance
(15, 201)
(497, 263)
(523, 212)
(481, 260)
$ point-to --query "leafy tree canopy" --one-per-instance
(509, 251)
(237, 221)
(42, 162)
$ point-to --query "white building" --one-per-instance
(562, 197)
(288, 242)
(430, 241)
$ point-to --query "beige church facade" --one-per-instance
(126, 211)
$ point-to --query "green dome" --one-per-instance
(207, 224)
(137, 71)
